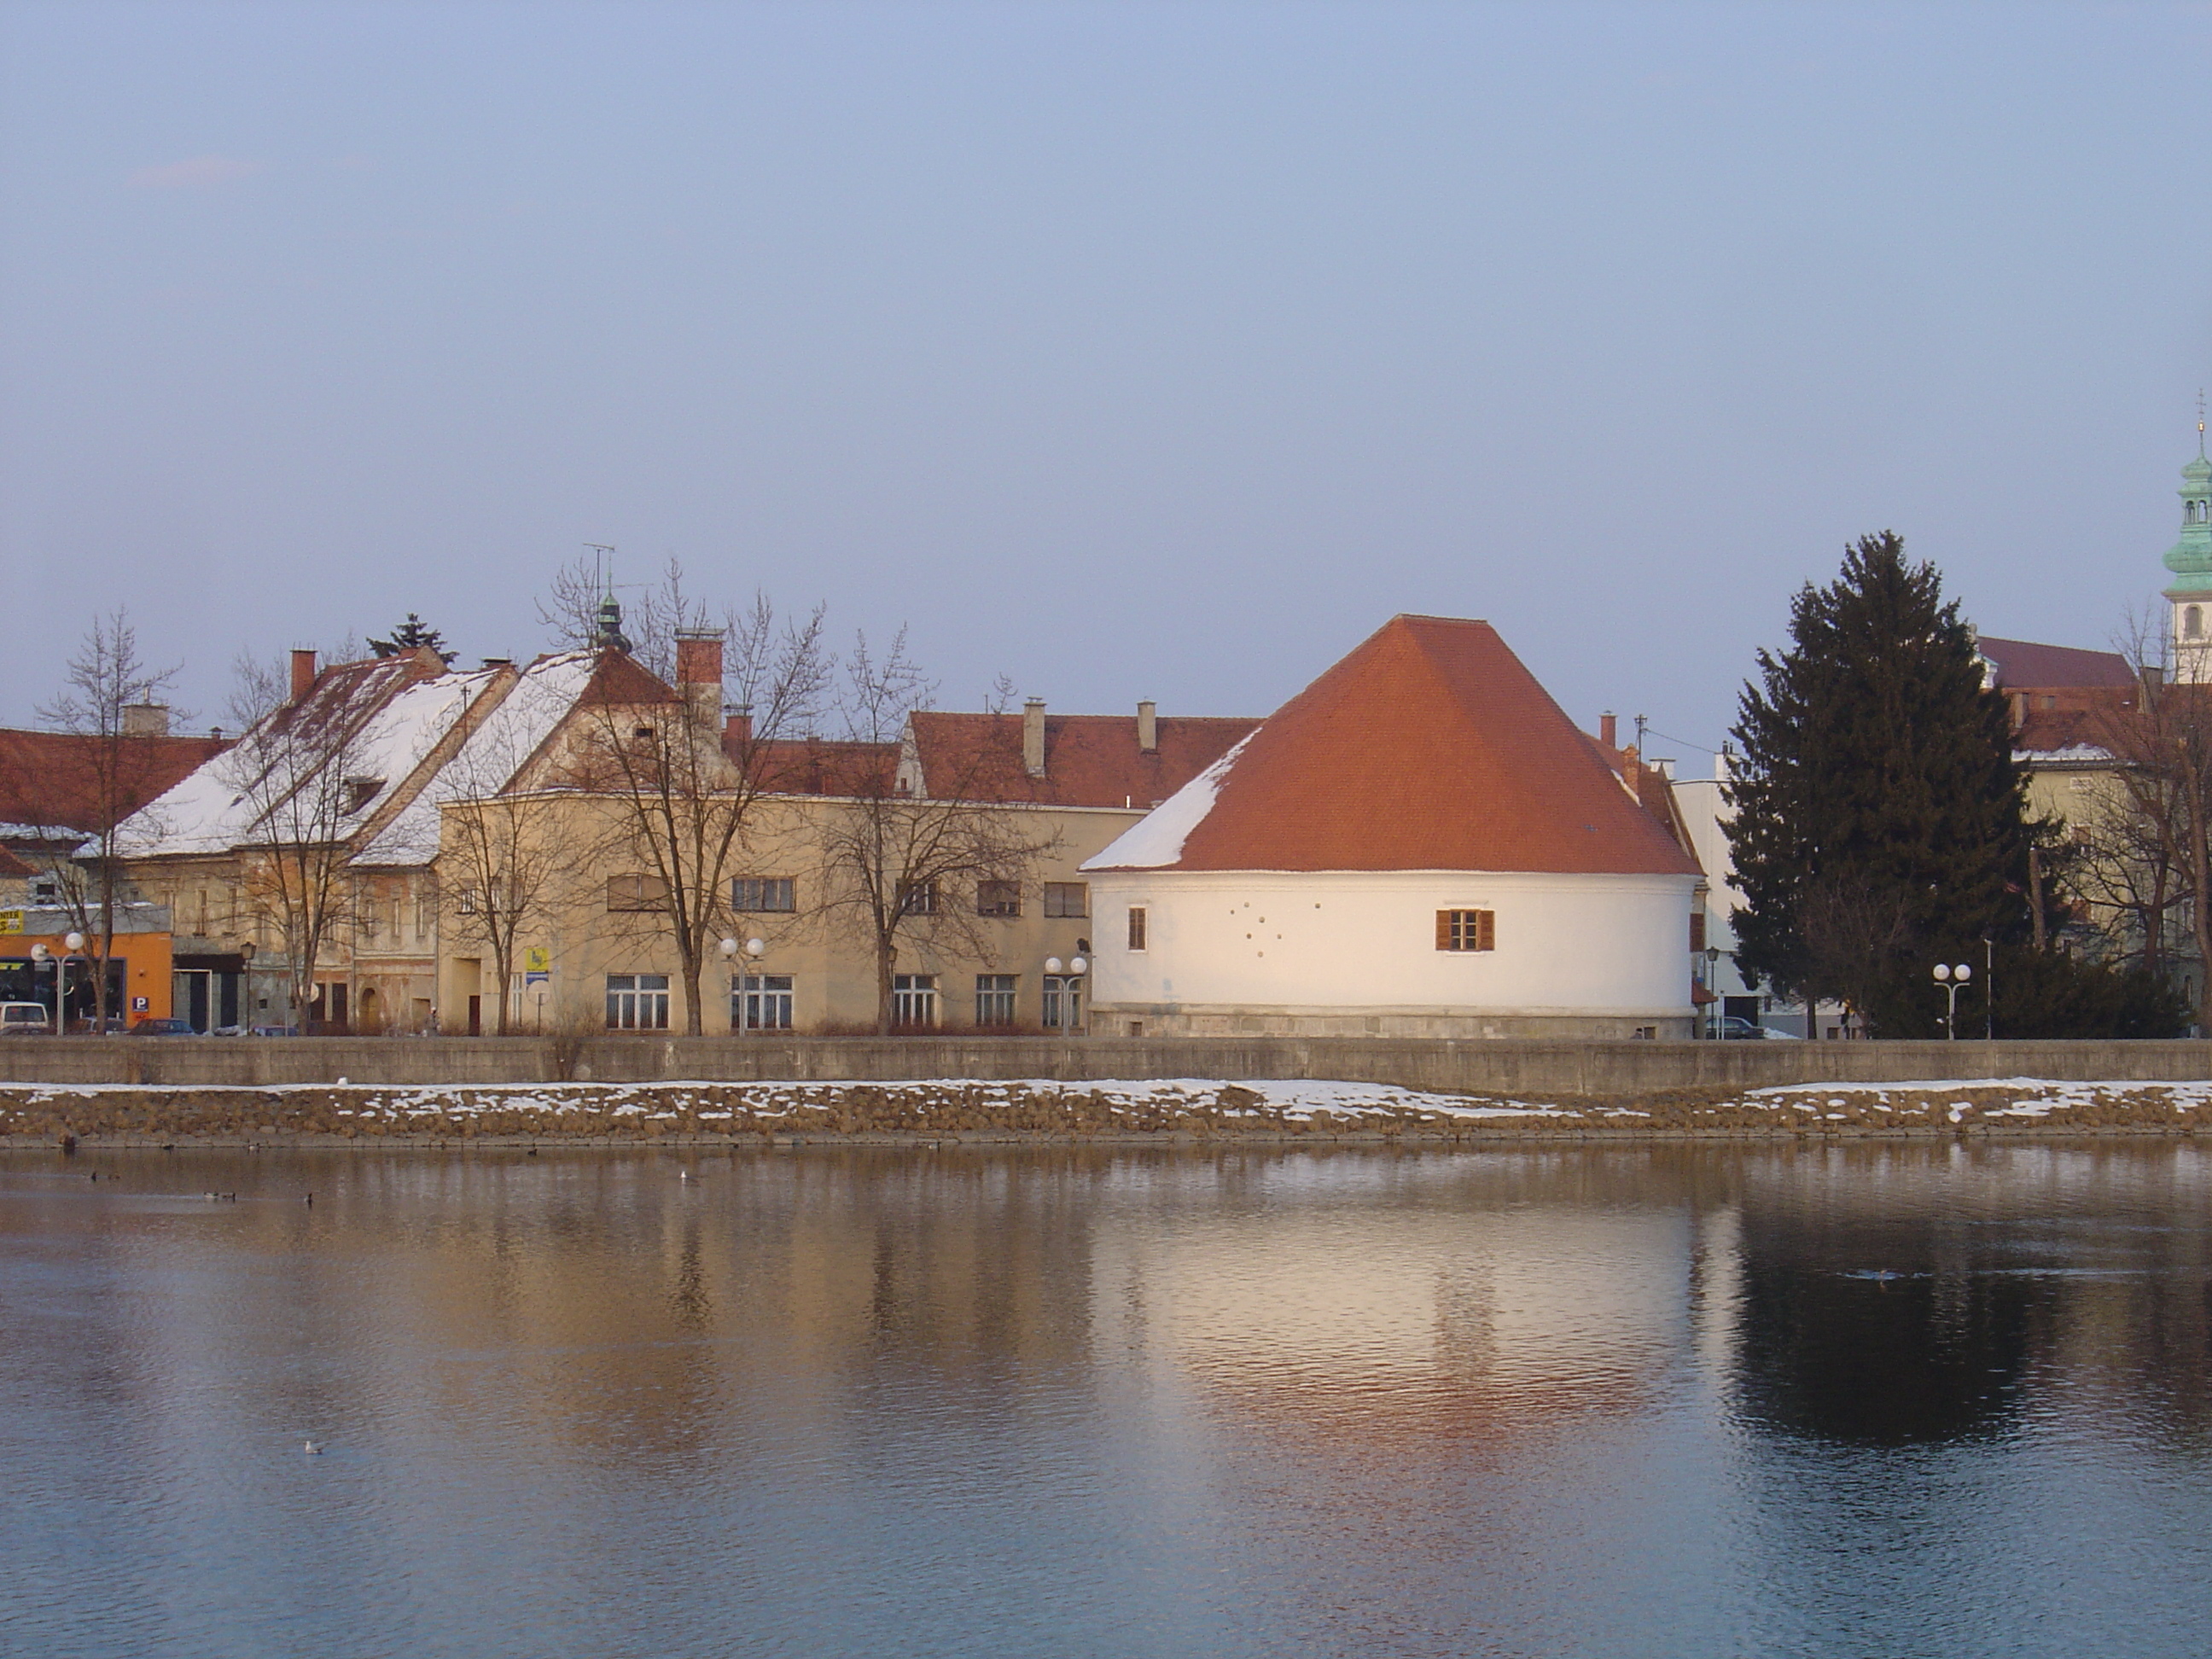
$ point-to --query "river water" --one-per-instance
(1879, 1400)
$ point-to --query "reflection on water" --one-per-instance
(1881, 1401)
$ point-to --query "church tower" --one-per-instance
(2190, 561)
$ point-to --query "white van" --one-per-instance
(24, 1018)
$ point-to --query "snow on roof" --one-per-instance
(387, 717)
(1156, 840)
(489, 758)
(2076, 752)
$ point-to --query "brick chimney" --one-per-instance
(1148, 728)
(146, 719)
(738, 729)
(303, 672)
(1033, 736)
(699, 676)
(1608, 730)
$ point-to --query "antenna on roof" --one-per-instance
(2200, 422)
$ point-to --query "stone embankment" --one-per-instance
(1175, 1111)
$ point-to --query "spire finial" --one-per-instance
(2200, 424)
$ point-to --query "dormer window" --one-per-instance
(360, 792)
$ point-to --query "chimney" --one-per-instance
(303, 672)
(1033, 736)
(499, 662)
(737, 728)
(1608, 730)
(146, 719)
(1148, 728)
(699, 675)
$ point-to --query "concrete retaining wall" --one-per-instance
(1510, 1067)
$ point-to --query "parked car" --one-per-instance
(163, 1028)
(25, 1019)
(1734, 1028)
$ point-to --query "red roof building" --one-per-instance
(1421, 843)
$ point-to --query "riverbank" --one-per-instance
(937, 1110)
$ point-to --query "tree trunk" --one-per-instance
(886, 956)
(693, 1022)
(2200, 911)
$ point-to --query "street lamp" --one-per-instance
(1951, 978)
(71, 943)
(1063, 1020)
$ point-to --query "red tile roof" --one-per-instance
(1090, 759)
(817, 766)
(1431, 747)
(48, 778)
(2023, 665)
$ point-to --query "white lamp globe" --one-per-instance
(39, 953)
(1079, 965)
(1962, 973)
(1052, 964)
(74, 942)
(729, 947)
(1943, 972)
(755, 948)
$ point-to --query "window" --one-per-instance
(2192, 622)
(1136, 927)
(1068, 898)
(464, 900)
(760, 1002)
(763, 893)
(918, 899)
(1697, 930)
(359, 792)
(636, 893)
(637, 1002)
(998, 898)
(47, 890)
(1467, 930)
(1063, 1002)
(913, 999)
(994, 998)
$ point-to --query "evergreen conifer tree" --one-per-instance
(407, 635)
(1879, 823)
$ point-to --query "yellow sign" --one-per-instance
(11, 921)
(536, 959)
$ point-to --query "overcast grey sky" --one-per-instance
(1127, 350)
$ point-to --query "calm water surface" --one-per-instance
(1872, 1401)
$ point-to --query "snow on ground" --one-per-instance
(1290, 1097)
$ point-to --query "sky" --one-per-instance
(1126, 351)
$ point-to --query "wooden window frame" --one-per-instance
(1465, 932)
(1056, 901)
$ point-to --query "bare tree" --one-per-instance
(109, 704)
(904, 861)
(505, 863)
(683, 785)
(2160, 741)
(574, 612)
(300, 771)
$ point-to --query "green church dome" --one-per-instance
(2190, 558)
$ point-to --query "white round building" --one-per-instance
(1419, 844)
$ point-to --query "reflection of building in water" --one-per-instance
(1349, 1301)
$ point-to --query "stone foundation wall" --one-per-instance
(1524, 1068)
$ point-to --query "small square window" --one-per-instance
(636, 893)
(998, 898)
(775, 893)
(1467, 930)
(1068, 898)
(918, 899)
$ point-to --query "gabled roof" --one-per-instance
(380, 719)
(47, 778)
(1090, 759)
(618, 680)
(1431, 747)
(2022, 665)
